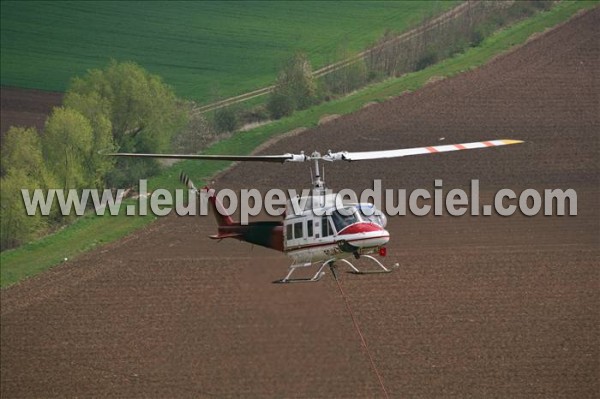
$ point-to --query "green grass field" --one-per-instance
(200, 48)
(91, 231)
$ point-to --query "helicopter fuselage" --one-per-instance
(337, 234)
(319, 232)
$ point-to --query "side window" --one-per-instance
(326, 230)
(288, 232)
(298, 230)
(309, 228)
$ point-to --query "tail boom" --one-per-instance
(268, 234)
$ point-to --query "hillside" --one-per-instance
(200, 48)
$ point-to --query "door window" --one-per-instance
(298, 233)
(326, 229)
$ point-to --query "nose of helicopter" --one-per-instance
(365, 235)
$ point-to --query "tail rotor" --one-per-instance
(185, 179)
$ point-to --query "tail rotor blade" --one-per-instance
(187, 182)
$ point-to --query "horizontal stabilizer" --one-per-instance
(227, 235)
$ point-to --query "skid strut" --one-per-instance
(312, 279)
(317, 276)
(381, 269)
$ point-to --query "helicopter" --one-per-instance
(316, 229)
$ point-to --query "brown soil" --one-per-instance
(480, 306)
(26, 107)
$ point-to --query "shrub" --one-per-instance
(195, 136)
(225, 120)
(255, 114)
(280, 104)
(346, 79)
(429, 58)
(477, 36)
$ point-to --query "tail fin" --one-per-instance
(215, 206)
(223, 219)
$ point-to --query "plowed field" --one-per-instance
(26, 107)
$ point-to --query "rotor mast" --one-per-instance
(318, 183)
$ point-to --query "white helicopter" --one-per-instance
(315, 229)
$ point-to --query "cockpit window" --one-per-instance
(371, 214)
(345, 218)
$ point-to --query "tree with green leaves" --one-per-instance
(67, 143)
(22, 166)
(142, 110)
(16, 227)
(22, 150)
(295, 87)
(97, 111)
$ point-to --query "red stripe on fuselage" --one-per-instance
(360, 227)
(334, 243)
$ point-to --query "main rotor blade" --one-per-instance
(248, 158)
(335, 156)
(368, 155)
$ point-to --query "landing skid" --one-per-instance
(320, 273)
(381, 269)
(312, 279)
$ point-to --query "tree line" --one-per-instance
(296, 87)
(119, 107)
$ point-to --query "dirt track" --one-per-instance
(481, 306)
